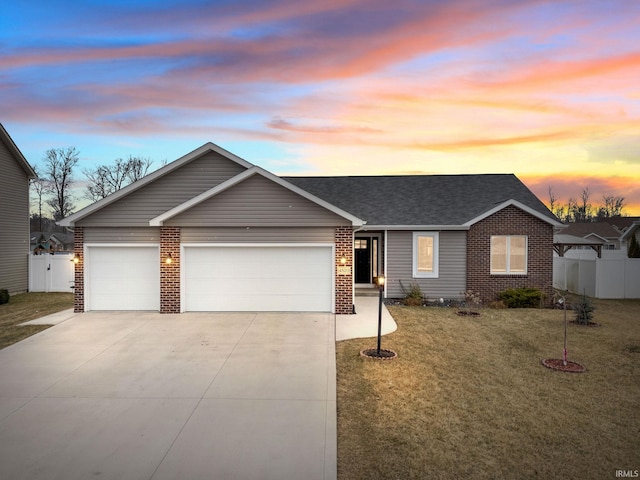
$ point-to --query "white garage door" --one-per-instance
(122, 278)
(294, 279)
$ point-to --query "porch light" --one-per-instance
(76, 259)
(380, 282)
(343, 260)
(169, 259)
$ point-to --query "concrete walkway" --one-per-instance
(133, 395)
(364, 323)
(53, 319)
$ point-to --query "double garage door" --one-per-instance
(214, 278)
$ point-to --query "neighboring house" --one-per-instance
(15, 173)
(627, 226)
(631, 230)
(47, 242)
(212, 232)
(596, 232)
(612, 233)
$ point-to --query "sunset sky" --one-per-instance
(548, 90)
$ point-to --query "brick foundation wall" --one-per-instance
(78, 289)
(170, 273)
(510, 221)
(344, 283)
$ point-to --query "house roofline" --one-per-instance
(415, 227)
(632, 228)
(239, 178)
(516, 204)
(198, 152)
(600, 237)
(11, 145)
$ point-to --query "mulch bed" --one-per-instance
(558, 364)
(383, 355)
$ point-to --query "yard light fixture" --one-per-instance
(380, 282)
(169, 259)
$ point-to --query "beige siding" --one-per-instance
(257, 235)
(14, 223)
(193, 178)
(257, 201)
(451, 281)
(122, 235)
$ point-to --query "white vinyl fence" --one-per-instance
(51, 273)
(612, 276)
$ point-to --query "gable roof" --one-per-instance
(622, 223)
(160, 219)
(445, 201)
(161, 172)
(601, 229)
(630, 230)
(17, 154)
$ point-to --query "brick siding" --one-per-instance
(510, 221)
(78, 289)
(344, 283)
(170, 272)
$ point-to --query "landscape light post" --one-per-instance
(380, 281)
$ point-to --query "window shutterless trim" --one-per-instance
(436, 250)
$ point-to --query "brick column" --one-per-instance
(344, 271)
(170, 272)
(78, 289)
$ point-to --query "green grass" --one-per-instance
(23, 307)
(467, 397)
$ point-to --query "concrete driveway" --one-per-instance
(150, 396)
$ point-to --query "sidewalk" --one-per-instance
(364, 323)
(53, 319)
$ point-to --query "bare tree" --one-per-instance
(138, 168)
(611, 206)
(58, 168)
(581, 211)
(556, 208)
(107, 179)
(586, 210)
(41, 188)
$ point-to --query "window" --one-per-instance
(509, 254)
(425, 254)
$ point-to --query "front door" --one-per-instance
(362, 252)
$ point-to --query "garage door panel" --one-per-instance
(258, 278)
(123, 278)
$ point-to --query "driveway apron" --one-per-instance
(193, 396)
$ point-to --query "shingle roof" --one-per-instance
(447, 200)
(602, 229)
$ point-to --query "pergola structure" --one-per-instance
(562, 243)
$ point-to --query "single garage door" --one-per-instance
(122, 278)
(292, 279)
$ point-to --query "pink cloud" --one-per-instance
(571, 185)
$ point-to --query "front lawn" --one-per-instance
(467, 397)
(29, 306)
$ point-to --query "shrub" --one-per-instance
(472, 298)
(4, 296)
(525, 297)
(633, 250)
(413, 296)
(584, 310)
